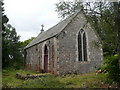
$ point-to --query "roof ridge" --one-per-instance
(51, 32)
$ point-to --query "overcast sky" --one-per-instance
(28, 15)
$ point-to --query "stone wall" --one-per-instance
(35, 56)
(68, 48)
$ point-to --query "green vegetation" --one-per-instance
(12, 48)
(111, 68)
(11, 53)
(89, 80)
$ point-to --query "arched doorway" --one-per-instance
(45, 59)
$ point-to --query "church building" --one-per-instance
(70, 47)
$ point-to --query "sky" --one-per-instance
(27, 16)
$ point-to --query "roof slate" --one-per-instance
(50, 32)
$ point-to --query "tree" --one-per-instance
(11, 49)
(24, 44)
(116, 6)
(3, 20)
(4, 17)
(11, 55)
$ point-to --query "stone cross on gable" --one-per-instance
(42, 28)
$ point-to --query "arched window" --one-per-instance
(79, 47)
(82, 46)
(45, 59)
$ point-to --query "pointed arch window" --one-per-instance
(45, 58)
(82, 46)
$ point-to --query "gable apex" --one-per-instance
(53, 31)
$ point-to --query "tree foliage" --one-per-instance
(111, 67)
(11, 55)
(23, 44)
(26, 42)
(67, 8)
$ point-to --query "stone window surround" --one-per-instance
(43, 55)
(82, 32)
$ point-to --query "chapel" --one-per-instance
(70, 47)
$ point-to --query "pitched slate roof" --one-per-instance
(51, 32)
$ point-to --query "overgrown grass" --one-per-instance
(89, 80)
(9, 79)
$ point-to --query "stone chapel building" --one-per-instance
(71, 46)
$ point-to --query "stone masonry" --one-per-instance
(61, 53)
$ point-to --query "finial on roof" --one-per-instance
(42, 30)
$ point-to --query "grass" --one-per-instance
(88, 80)
(9, 79)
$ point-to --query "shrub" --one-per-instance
(111, 67)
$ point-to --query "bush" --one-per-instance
(111, 67)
